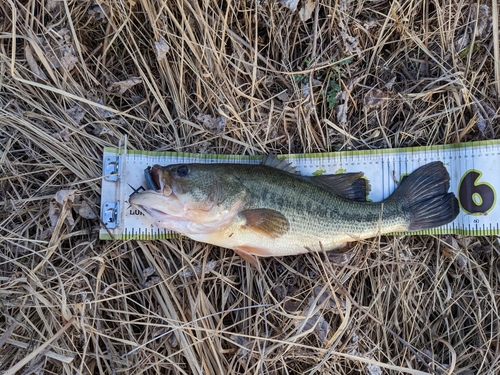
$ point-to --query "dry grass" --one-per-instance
(246, 78)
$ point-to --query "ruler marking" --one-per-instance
(459, 159)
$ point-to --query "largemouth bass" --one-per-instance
(270, 210)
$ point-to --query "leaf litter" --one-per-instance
(215, 125)
(121, 86)
(60, 209)
(162, 49)
(305, 13)
(400, 304)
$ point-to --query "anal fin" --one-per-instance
(244, 253)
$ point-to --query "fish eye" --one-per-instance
(182, 171)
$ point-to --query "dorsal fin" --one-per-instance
(273, 162)
(346, 185)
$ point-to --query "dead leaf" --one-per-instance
(65, 197)
(373, 369)
(54, 212)
(484, 22)
(343, 102)
(292, 304)
(340, 259)
(481, 122)
(453, 251)
(99, 11)
(199, 269)
(119, 122)
(462, 41)
(86, 211)
(58, 49)
(63, 135)
(342, 108)
(243, 353)
(390, 83)
(146, 272)
(327, 301)
(306, 87)
(61, 205)
(52, 5)
(463, 262)
(451, 245)
(215, 125)
(369, 24)
(35, 69)
(162, 48)
(374, 98)
(77, 113)
(122, 86)
(290, 4)
(103, 112)
(351, 45)
(322, 327)
(317, 322)
(353, 346)
(307, 9)
(283, 96)
(69, 60)
(101, 130)
(148, 279)
(479, 30)
(173, 341)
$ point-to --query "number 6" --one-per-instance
(475, 197)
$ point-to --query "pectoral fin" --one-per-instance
(268, 222)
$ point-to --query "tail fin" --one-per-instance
(426, 197)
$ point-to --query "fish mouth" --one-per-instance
(159, 199)
(155, 204)
(149, 210)
(159, 180)
(146, 198)
(153, 177)
(154, 213)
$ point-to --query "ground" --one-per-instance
(236, 77)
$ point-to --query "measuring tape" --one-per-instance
(474, 170)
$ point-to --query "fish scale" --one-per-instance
(321, 216)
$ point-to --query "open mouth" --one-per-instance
(152, 175)
(159, 180)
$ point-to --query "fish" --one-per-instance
(270, 210)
